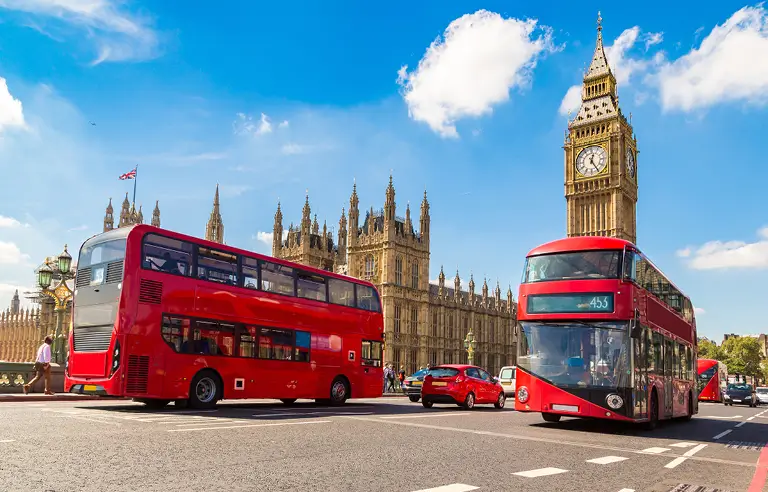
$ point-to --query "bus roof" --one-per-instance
(146, 228)
(580, 243)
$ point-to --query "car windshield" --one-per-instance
(443, 372)
(739, 387)
(572, 266)
(419, 374)
(573, 354)
(507, 373)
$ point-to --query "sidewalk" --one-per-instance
(21, 397)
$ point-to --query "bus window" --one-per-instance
(213, 338)
(217, 266)
(248, 342)
(277, 278)
(367, 298)
(275, 344)
(175, 332)
(301, 353)
(309, 286)
(341, 292)
(371, 353)
(167, 255)
(250, 273)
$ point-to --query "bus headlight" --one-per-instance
(614, 401)
(522, 394)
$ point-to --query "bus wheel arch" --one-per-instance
(653, 410)
(341, 390)
(206, 389)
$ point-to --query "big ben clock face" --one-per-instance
(591, 161)
(630, 163)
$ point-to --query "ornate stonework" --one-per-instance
(129, 215)
(214, 229)
(423, 323)
(601, 158)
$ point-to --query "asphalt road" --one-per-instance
(387, 444)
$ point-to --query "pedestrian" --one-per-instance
(401, 378)
(390, 378)
(42, 366)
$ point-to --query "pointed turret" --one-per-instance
(15, 303)
(125, 213)
(457, 286)
(389, 204)
(485, 290)
(315, 226)
(424, 219)
(509, 298)
(214, 230)
(408, 224)
(354, 215)
(599, 65)
(441, 281)
(156, 214)
(139, 216)
(471, 287)
(277, 232)
(306, 218)
(109, 217)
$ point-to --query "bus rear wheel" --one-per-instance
(205, 390)
(550, 417)
(339, 391)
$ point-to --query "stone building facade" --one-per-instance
(423, 323)
(129, 215)
(601, 158)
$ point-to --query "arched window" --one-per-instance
(370, 266)
(415, 275)
(399, 270)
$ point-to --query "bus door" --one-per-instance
(668, 377)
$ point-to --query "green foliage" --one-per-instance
(709, 350)
(742, 356)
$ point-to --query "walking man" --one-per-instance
(42, 367)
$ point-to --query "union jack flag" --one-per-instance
(129, 175)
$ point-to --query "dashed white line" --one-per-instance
(7, 440)
(686, 455)
(454, 487)
(654, 450)
(720, 417)
(272, 424)
(606, 460)
(627, 490)
(683, 444)
(724, 433)
(541, 472)
(751, 418)
(330, 414)
(740, 424)
(424, 415)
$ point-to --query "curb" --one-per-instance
(17, 398)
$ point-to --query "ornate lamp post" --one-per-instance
(61, 270)
(469, 344)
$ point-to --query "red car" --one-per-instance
(461, 384)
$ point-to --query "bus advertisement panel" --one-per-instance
(160, 316)
(604, 334)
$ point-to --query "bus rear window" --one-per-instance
(104, 252)
(443, 372)
(580, 265)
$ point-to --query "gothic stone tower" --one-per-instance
(306, 244)
(129, 215)
(214, 229)
(600, 158)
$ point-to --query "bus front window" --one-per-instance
(573, 266)
(572, 354)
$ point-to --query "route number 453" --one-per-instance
(599, 302)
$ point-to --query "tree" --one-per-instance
(710, 350)
(743, 356)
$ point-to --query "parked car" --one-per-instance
(740, 393)
(463, 385)
(412, 385)
(762, 395)
(507, 379)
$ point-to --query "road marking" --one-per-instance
(520, 437)
(541, 472)
(654, 450)
(454, 487)
(683, 444)
(740, 424)
(283, 414)
(273, 424)
(606, 460)
(7, 440)
(751, 446)
(627, 490)
(751, 418)
(719, 417)
(724, 433)
(79, 417)
(761, 472)
(424, 415)
(686, 455)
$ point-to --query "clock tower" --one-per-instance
(600, 158)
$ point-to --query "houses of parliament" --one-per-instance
(426, 323)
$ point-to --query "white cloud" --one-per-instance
(730, 65)
(699, 310)
(264, 126)
(245, 125)
(471, 68)
(10, 254)
(120, 35)
(11, 114)
(283, 124)
(10, 222)
(266, 237)
(729, 254)
(623, 65)
(231, 191)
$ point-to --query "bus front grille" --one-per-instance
(114, 272)
(138, 374)
(92, 338)
(83, 277)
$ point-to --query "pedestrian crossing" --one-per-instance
(460, 487)
(748, 446)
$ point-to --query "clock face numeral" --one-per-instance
(591, 161)
(630, 163)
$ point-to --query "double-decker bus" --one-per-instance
(712, 377)
(160, 316)
(604, 334)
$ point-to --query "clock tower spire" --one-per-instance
(600, 158)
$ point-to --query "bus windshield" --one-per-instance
(705, 376)
(574, 354)
(101, 252)
(573, 266)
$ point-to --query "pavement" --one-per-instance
(384, 444)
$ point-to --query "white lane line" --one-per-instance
(724, 433)
(751, 418)
(273, 424)
(686, 455)
(654, 450)
(218, 422)
(627, 490)
(425, 415)
(606, 460)
(7, 440)
(283, 414)
(454, 487)
(719, 417)
(740, 424)
(541, 472)
(78, 417)
(683, 445)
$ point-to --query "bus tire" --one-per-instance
(205, 390)
(339, 391)
(153, 403)
(689, 415)
(550, 417)
(653, 415)
(288, 401)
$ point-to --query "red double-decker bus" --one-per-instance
(160, 316)
(604, 334)
(712, 376)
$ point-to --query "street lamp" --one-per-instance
(59, 269)
(469, 344)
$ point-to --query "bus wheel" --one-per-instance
(689, 416)
(550, 417)
(288, 401)
(153, 403)
(653, 418)
(204, 390)
(339, 391)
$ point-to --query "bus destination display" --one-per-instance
(570, 303)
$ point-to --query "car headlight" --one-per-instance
(522, 394)
(614, 401)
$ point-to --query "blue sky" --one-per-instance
(467, 99)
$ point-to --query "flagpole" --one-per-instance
(135, 178)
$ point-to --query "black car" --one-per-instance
(740, 393)
(412, 385)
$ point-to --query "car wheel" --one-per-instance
(500, 401)
(426, 404)
(414, 399)
(469, 401)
